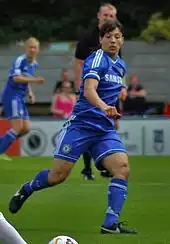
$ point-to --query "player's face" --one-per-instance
(106, 14)
(112, 42)
(32, 49)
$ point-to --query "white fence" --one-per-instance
(140, 136)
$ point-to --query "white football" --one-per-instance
(63, 240)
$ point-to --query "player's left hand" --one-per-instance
(31, 98)
(112, 112)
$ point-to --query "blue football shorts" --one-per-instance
(15, 108)
(71, 142)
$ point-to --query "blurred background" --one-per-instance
(59, 25)
(77, 207)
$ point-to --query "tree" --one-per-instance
(158, 29)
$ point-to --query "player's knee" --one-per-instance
(123, 170)
(117, 164)
(18, 128)
(26, 128)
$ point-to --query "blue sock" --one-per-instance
(38, 183)
(6, 140)
(117, 194)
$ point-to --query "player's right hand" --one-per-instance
(111, 112)
(40, 80)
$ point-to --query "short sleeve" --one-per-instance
(82, 50)
(93, 66)
(17, 66)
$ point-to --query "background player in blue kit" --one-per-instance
(21, 75)
(91, 127)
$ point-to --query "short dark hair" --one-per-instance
(110, 26)
(109, 5)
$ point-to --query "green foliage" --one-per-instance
(158, 29)
(68, 20)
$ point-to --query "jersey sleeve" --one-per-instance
(94, 66)
(17, 66)
(82, 50)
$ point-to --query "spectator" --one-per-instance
(166, 111)
(136, 99)
(64, 77)
(63, 101)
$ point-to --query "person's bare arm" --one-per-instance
(27, 79)
(78, 64)
(31, 96)
(141, 93)
(90, 92)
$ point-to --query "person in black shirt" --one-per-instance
(84, 48)
(64, 77)
(136, 100)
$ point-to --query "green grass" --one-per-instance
(76, 208)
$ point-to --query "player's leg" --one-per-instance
(69, 147)
(11, 135)
(105, 173)
(14, 111)
(8, 233)
(110, 154)
(87, 170)
(26, 121)
(44, 179)
(117, 165)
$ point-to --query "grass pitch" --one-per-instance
(76, 208)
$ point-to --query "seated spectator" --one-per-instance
(166, 110)
(64, 77)
(63, 101)
(136, 99)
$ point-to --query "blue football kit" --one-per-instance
(89, 128)
(14, 93)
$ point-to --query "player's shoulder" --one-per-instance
(121, 63)
(98, 58)
(19, 60)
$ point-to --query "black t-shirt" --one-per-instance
(88, 44)
(138, 87)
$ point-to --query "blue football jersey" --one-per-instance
(109, 74)
(20, 66)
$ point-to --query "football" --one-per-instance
(63, 240)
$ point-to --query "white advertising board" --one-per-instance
(141, 137)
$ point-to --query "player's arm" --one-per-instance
(31, 95)
(90, 92)
(19, 75)
(26, 79)
(30, 91)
